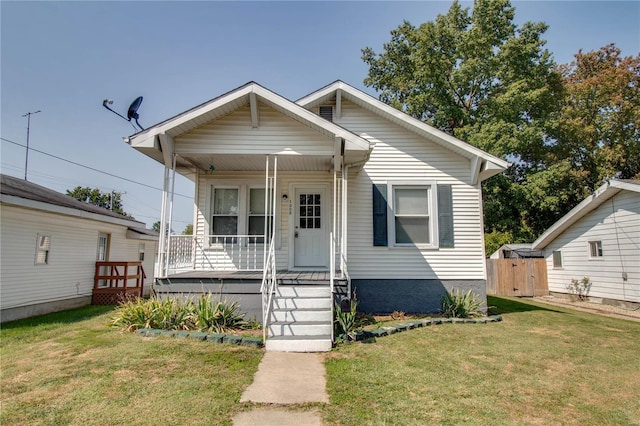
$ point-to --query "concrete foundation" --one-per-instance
(12, 314)
(411, 296)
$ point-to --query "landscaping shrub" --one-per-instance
(580, 288)
(205, 314)
(457, 304)
(345, 322)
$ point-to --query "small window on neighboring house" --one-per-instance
(43, 245)
(326, 112)
(141, 252)
(557, 259)
(595, 249)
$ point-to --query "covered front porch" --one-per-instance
(301, 215)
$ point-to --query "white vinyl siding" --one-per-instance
(401, 155)
(233, 134)
(70, 271)
(616, 224)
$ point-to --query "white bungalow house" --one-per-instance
(598, 239)
(336, 193)
(59, 253)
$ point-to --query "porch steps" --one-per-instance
(300, 319)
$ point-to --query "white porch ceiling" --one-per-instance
(256, 163)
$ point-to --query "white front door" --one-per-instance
(310, 227)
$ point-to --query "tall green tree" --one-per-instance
(597, 130)
(478, 76)
(475, 75)
(107, 200)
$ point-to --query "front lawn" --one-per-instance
(541, 365)
(71, 369)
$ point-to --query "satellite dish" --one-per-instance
(133, 108)
(132, 112)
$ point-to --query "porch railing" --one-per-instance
(115, 282)
(216, 252)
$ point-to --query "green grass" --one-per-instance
(541, 365)
(71, 369)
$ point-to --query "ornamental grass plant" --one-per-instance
(456, 304)
(206, 313)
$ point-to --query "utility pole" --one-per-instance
(26, 161)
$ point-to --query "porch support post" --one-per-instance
(168, 154)
(162, 249)
(173, 185)
(343, 233)
(266, 209)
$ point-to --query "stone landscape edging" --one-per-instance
(199, 335)
(397, 328)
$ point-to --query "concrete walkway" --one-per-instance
(285, 378)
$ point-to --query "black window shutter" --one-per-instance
(445, 216)
(380, 215)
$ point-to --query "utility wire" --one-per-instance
(91, 168)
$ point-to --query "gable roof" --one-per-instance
(602, 194)
(491, 165)
(238, 98)
(17, 191)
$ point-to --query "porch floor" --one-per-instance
(284, 275)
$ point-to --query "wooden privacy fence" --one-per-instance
(517, 277)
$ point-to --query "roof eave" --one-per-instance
(587, 205)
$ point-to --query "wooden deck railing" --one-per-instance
(115, 282)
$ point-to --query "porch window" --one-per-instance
(224, 220)
(256, 214)
(412, 215)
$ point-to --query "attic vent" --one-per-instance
(326, 112)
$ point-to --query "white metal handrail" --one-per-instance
(269, 280)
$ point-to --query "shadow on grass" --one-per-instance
(62, 317)
(499, 305)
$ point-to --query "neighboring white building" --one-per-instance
(49, 245)
(400, 200)
(598, 239)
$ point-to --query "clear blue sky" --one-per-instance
(64, 58)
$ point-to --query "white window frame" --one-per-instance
(212, 208)
(248, 214)
(43, 245)
(597, 245)
(431, 186)
(141, 250)
(553, 259)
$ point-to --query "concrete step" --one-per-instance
(311, 314)
(301, 303)
(303, 291)
(300, 328)
(299, 343)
